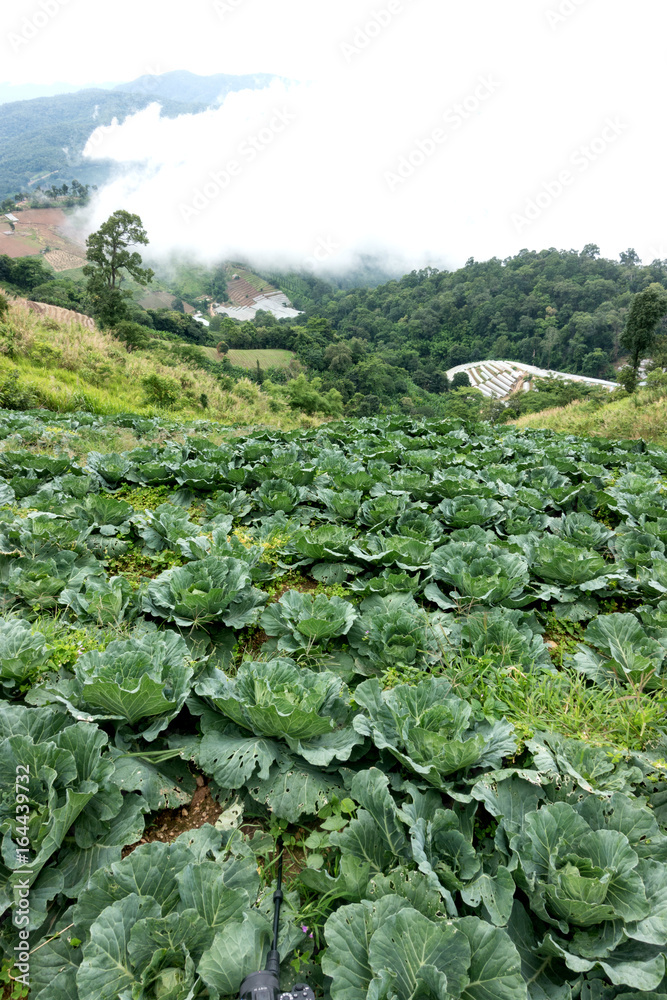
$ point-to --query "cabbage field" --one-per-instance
(348, 635)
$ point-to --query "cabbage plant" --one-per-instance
(603, 904)
(279, 700)
(389, 948)
(325, 542)
(622, 652)
(205, 591)
(168, 922)
(394, 630)
(429, 730)
(143, 679)
(65, 767)
(499, 579)
(299, 620)
(104, 602)
(464, 511)
(386, 550)
(23, 651)
(164, 527)
(278, 494)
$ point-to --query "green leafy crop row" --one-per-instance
(344, 633)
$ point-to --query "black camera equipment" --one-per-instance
(265, 985)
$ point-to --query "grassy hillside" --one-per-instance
(67, 367)
(639, 416)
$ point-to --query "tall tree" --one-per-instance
(110, 260)
(647, 309)
(629, 256)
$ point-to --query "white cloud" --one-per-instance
(386, 77)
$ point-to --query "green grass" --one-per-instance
(641, 415)
(249, 359)
(535, 700)
(74, 273)
(564, 703)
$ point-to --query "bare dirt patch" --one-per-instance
(45, 229)
(240, 292)
(14, 246)
(169, 824)
(42, 217)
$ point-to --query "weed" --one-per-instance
(296, 580)
(11, 988)
(144, 497)
(562, 636)
(402, 673)
(564, 702)
(67, 642)
(137, 565)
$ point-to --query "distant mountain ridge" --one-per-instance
(181, 85)
(42, 139)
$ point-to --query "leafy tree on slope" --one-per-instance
(648, 308)
(110, 259)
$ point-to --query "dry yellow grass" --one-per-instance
(72, 367)
(639, 416)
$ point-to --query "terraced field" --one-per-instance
(39, 228)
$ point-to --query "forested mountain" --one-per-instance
(392, 345)
(558, 309)
(563, 310)
(43, 138)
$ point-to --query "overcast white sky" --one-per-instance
(427, 129)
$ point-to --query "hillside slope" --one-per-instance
(63, 365)
(558, 310)
(639, 416)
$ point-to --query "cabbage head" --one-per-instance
(208, 590)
